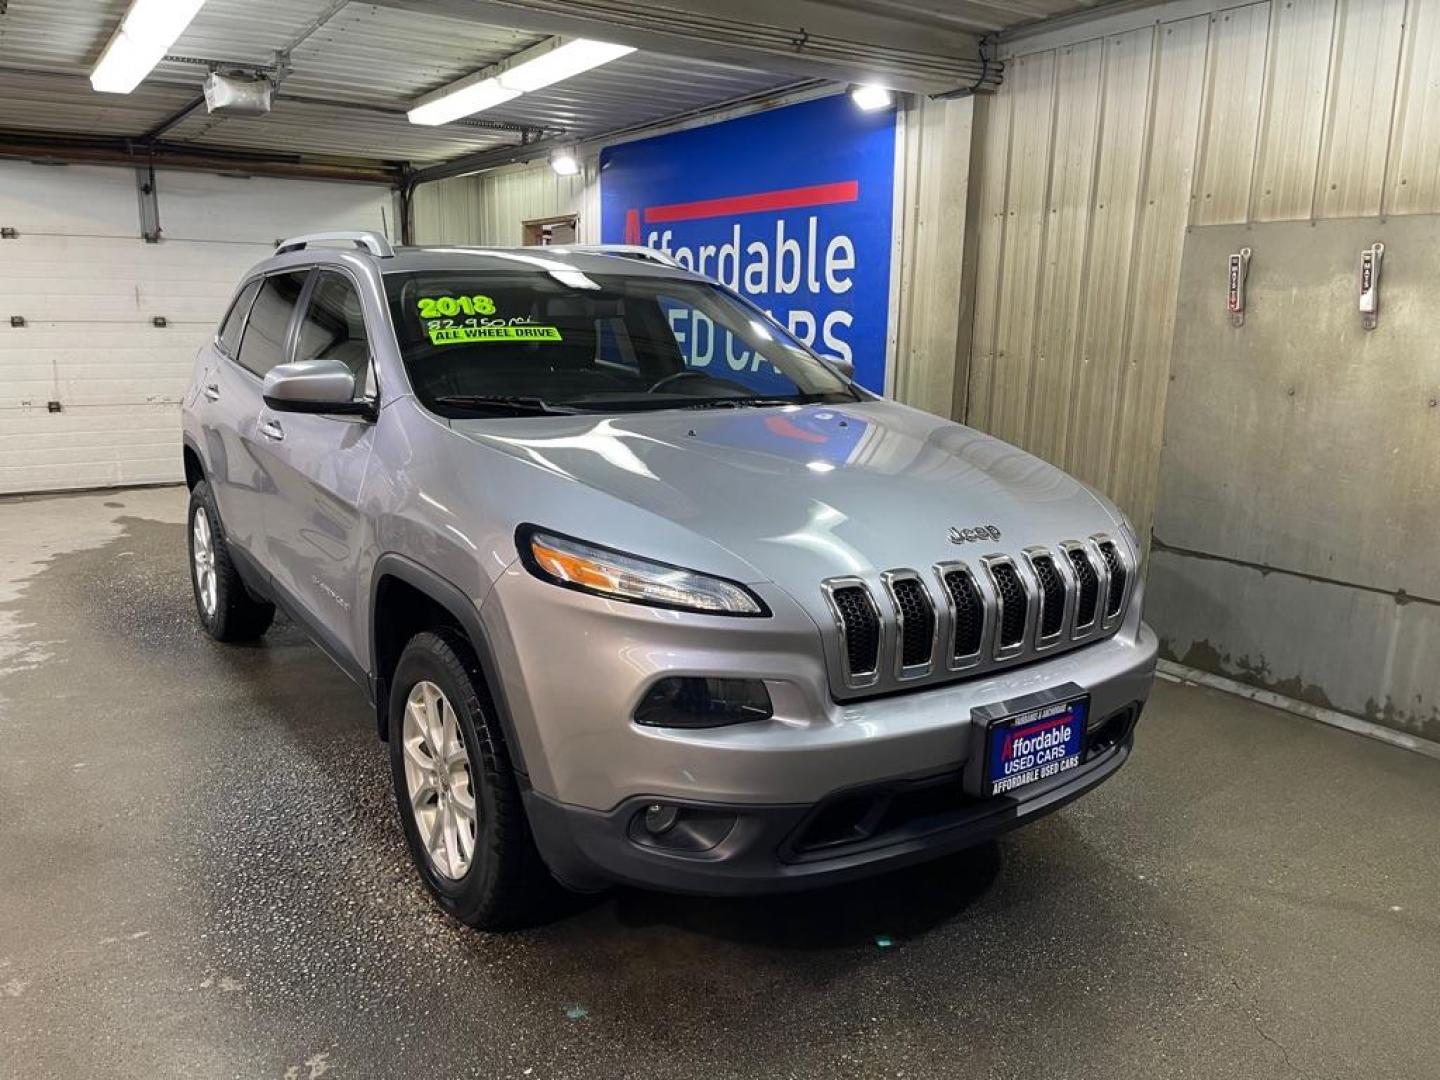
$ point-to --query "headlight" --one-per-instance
(589, 568)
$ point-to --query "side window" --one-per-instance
(263, 343)
(235, 318)
(333, 328)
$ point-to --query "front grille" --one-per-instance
(917, 621)
(1087, 597)
(1117, 578)
(1052, 595)
(860, 623)
(1014, 604)
(969, 613)
(887, 631)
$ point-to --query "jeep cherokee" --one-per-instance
(641, 588)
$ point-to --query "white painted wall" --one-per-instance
(88, 288)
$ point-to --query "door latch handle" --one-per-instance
(212, 391)
(271, 429)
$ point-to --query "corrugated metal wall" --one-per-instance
(931, 329)
(491, 208)
(1099, 152)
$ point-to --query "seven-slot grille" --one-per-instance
(1116, 565)
(1052, 595)
(860, 626)
(967, 613)
(1087, 593)
(1014, 604)
(1006, 609)
(916, 621)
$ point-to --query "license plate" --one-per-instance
(1035, 745)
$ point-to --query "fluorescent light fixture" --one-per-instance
(462, 100)
(564, 162)
(145, 35)
(871, 97)
(533, 69)
(563, 62)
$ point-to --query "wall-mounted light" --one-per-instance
(143, 38)
(870, 97)
(565, 161)
(525, 72)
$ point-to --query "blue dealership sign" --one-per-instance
(792, 208)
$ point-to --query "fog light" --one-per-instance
(660, 819)
(669, 827)
(695, 702)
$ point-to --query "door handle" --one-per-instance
(271, 429)
(212, 391)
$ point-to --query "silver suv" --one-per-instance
(642, 589)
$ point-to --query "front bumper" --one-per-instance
(578, 665)
(575, 666)
(765, 849)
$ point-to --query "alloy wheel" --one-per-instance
(202, 551)
(438, 781)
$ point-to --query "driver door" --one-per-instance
(316, 534)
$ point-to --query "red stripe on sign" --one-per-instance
(789, 199)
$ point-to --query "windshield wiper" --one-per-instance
(737, 403)
(504, 403)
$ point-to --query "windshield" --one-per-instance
(477, 343)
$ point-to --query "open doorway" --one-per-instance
(542, 232)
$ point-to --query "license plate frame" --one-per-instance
(1033, 722)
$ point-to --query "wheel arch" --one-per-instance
(406, 598)
(194, 463)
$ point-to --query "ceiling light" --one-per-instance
(461, 100)
(562, 62)
(145, 35)
(526, 71)
(870, 97)
(565, 162)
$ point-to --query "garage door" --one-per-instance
(98, 327)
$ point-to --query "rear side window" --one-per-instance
(235, 319)
(263, 343)
(333, 328)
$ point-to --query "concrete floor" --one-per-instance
(201, 874)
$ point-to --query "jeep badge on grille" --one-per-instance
(969, 536)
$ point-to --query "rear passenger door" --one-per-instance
(315, 534)
(230, 414)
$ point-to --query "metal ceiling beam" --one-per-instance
(60, 147)
(482, 160)
(807, 38)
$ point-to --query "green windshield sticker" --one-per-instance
(465, 335)
(445, 307)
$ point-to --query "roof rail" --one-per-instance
(372, 242)
(624, 251)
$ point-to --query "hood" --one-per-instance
(802, 493)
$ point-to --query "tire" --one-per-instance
(503, 883)
(227, 610)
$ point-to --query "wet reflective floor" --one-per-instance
(202, 875)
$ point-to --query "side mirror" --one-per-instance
(313, 386)
(844, 367)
